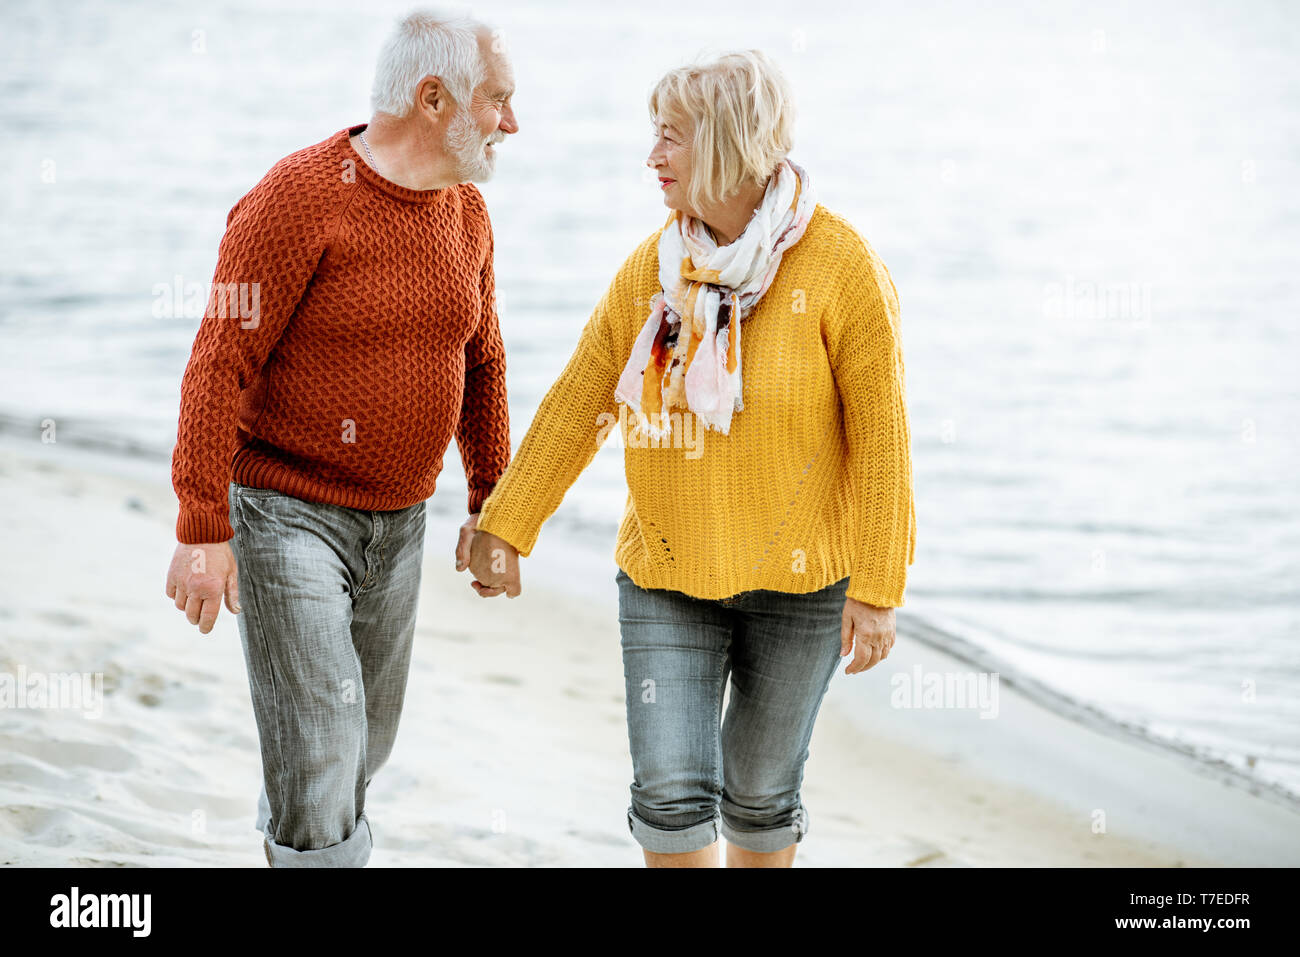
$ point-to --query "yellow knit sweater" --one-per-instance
(814, 481)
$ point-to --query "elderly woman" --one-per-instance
(754, 343)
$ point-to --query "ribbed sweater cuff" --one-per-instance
(869, 595)
(201, 528)
(491, 522)
(476, 499)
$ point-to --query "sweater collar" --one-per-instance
(364, 172)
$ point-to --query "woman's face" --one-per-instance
(671, 160)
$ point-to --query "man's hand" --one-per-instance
(198, 578)
(462, 544)
(494, 563)
(873, 627)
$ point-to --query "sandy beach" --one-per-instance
(513, 747)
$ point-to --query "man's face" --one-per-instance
(489, 117)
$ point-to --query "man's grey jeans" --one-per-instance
(329, 597)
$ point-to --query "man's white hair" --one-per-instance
(428, 44)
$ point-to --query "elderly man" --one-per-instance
(313, 430)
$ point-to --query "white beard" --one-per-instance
(473, 163)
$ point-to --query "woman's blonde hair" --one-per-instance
(738, 110)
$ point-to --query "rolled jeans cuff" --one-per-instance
(353, 851)
(660, 840)
(771, 839)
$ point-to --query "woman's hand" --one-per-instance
(494, 563)
(873, 627)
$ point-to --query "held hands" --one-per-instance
(198, 578)
(492, 561)
(873, 627)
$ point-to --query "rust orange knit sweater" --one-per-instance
(365, 338)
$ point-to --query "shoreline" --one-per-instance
(502, 759)
(130, 458)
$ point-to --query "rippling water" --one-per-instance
(1091, 214)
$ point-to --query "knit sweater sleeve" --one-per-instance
(273, 241)
(572, 422)
(865, 348)
(483, 431)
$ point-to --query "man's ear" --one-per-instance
(431, 98)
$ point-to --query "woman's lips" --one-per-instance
(665, 183)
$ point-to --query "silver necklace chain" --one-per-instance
(369, 155)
